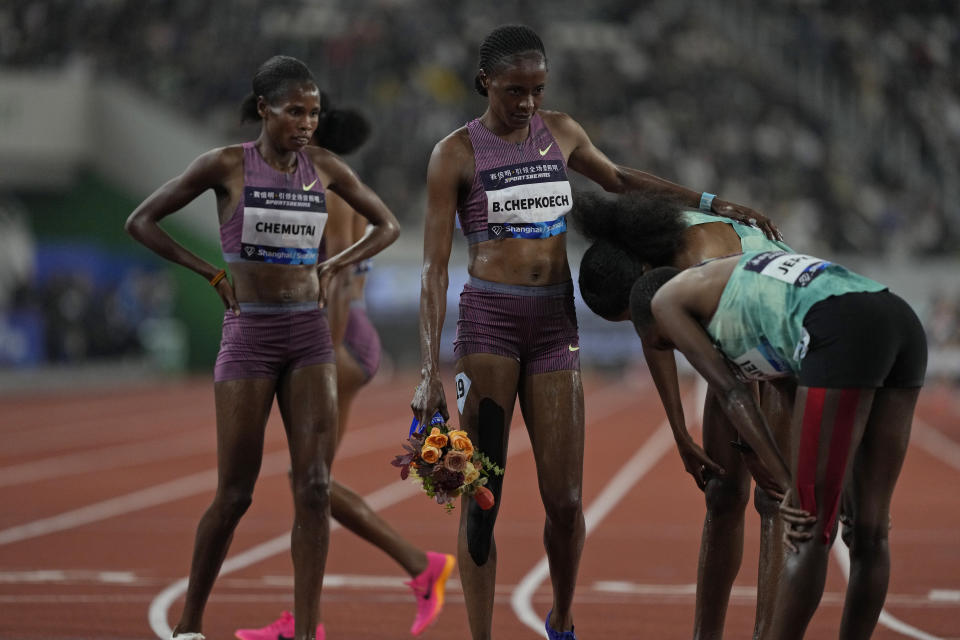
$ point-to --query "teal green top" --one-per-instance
(751, 238)
(758, 324)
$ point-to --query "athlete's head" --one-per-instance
(607, 272)
(641, 297)
(512, 73)
(286, 98)
(649, 227)
(340, 130)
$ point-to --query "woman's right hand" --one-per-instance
(428, 399)
(697, 463)
(225, 291)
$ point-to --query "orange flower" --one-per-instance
(436, 439)
(429, 454)
(461, 442)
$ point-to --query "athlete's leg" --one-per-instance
(487, 388)
(876, 467)
(552, 406)
(308, 405)
(721, 544)
(348, 508)
(827, 428)
(776, 401)
(242, 409)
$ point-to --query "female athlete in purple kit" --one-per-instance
(276, 339)
(358, 358)
(504, 174)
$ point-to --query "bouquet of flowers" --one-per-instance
(446, 465)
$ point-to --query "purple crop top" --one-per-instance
(281, 217)
(519, 190)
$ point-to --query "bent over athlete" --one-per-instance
(631, 234)
(858, 353)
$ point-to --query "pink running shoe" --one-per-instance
(429, 587)
(279, 629)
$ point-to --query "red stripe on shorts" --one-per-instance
(839, 448)
(809, 443)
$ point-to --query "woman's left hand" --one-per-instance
(746, 215)
(797, 522)
(325, 273)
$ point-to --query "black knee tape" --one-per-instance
(479, 522)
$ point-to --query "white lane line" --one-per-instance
(158, 494)
(157, 614)
(944, 595)
(612, 401)
(66, 576)
(394, 589)
(842, 555)
(115, 457)
(362, 441)
(642, 461)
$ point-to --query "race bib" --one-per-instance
(282, 226)
(527, 200)
(793, 268)
(761, 363)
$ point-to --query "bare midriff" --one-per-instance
(521, 261)
(274, 283)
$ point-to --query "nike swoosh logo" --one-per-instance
(543, 152)
(573, 348)
(307, 187)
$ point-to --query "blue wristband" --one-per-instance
(706, 201)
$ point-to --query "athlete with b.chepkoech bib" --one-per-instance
(505, 176)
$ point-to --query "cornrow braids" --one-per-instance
(501, 46)
(272, 80)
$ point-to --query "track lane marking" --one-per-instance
(384, 497)
(619, 485)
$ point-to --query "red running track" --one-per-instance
(101, 492)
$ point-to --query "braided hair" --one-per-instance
(272, 80)
(340, 130)
(502, 46)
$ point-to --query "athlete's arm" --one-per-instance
(588, 160)
(212, 170)
(338, 236)
(344, 182)
(677, 308)
(663, 370)
(444, 177)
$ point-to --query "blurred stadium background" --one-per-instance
(839, 120)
